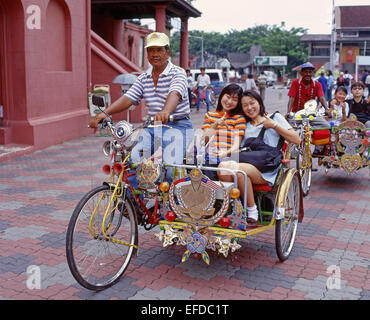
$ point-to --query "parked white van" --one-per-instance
(216, 76)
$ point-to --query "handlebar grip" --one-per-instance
(104, 123)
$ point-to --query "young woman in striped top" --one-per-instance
(227, 124)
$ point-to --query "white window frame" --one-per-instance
(141, 52)
(344, 34)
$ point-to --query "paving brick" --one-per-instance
(168, 293)
(39, 192)
(16, 233)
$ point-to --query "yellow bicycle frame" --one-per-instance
(117, 192)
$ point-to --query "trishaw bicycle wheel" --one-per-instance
(304, 166)
(286, 228)
(98, 256)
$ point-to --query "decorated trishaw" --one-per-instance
(205, 217)
(346, 145)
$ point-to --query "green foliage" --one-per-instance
(274, 40)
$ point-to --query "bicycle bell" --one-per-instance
(107, 148)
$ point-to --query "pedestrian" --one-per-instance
(190, 86)
(257, 118)
(364, 75)
(347, 81)
(329, 91)
(250, 84)
(340, 80)
(367, 83)
(358, 106)
(339, 109)
(164, 88)
(202, 85)
(262, 84)
(324, 83)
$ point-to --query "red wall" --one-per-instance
(48, 72)
(116, 50)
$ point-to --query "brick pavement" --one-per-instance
(39, 191)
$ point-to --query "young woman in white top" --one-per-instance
(257, 118)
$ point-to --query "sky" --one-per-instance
(223, 16)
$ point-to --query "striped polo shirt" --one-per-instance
(172, 78)
(224, 139)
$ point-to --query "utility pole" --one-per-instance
(333, 40)
(202, 47)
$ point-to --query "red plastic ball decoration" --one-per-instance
(170, 216)
(224, 222)
(106, 169)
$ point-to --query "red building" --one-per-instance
(52, 52)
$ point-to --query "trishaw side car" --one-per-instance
(349, 147)
(191, 211)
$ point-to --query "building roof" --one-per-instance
(244, 60)
(354, 17)
(131, 9)
(315, 37)
(239, 60)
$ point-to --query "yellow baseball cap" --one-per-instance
(157, 39)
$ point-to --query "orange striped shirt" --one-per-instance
(224, 138)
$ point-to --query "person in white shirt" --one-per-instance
(347, 82)
(190, 85)
(367, 83)
(203, 83)
(262, 84)
(250, 84)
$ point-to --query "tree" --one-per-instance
(274, 40)
(282, 42)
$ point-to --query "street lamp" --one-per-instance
(202, 48)
(333, 40)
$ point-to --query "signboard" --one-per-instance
(349, 54)
(361, 61)
(271, 60)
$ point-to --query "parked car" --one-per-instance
(216, 76)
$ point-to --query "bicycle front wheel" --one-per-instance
(304, 166)
(102, 237)
(286, 228)
(212, 98)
